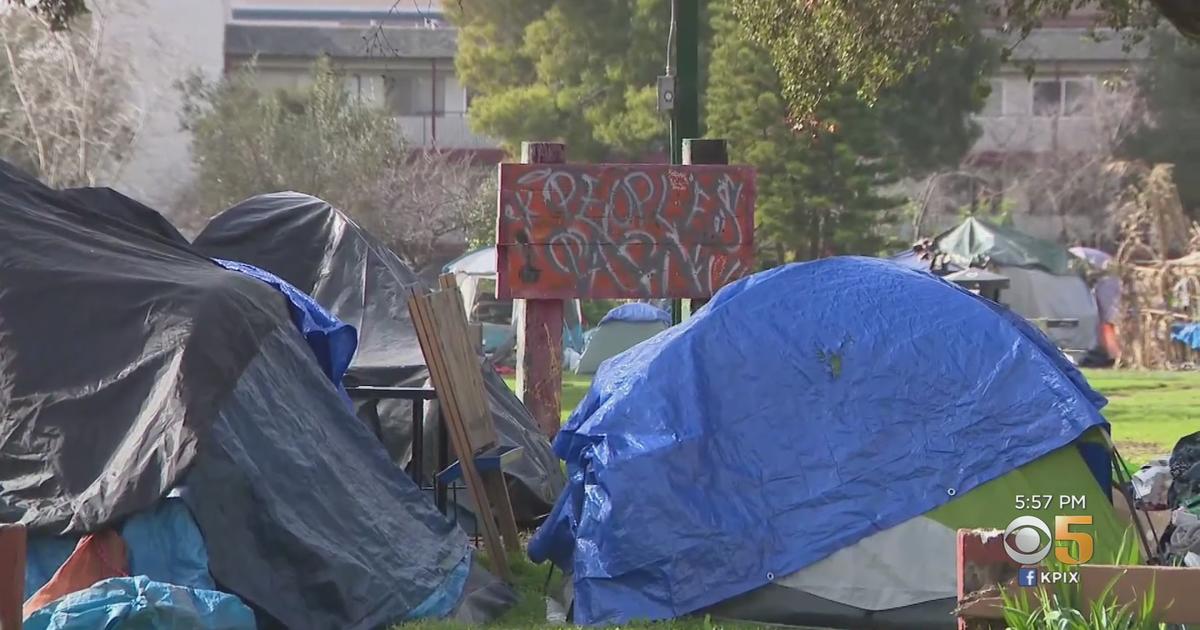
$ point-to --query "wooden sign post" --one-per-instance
(622, 231)
(539, 339)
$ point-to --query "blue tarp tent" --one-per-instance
(801, 411)
(636, 312)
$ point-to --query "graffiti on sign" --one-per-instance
(623, 231)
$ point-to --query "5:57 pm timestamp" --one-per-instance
(1049, 501)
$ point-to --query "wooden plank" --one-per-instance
(1175, 588)
(438, 319)
(622, 230)
(455, 341)
(12, 575)
(498, 493)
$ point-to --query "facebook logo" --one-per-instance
(1027, 576)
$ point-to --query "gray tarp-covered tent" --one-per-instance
(1044, 285)
(619, 330)
(324, 253)
(131, 366)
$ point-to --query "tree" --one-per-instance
(1171, 131)
(582, 72)
(819, 193)
(65, 111)
(54, 14)
(818, 46)
(323, 142)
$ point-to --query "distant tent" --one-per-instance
(1044, 285)
(321, 251)
(803, 449)
(477, 268)
(976, 242)
(621, 329)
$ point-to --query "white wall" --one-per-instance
(164, 40)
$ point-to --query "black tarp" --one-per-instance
(320, 250)
(116, 349)
(130, 364)
(113, 204)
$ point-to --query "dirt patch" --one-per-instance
(1139, 452)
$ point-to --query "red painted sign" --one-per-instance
(623, 231)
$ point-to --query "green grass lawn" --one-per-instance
(530, 612)
(1149, 412)
(574, 389)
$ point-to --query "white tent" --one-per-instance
(476, 275)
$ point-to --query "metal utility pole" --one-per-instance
(683, 85)
(685, 117)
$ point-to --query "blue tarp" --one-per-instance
(803, 409)
(163, 544)
(910, 259)
(332, 341)
(637, 312)
(139, 602)
(1187, 334)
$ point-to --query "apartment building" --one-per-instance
(1051, 103)
(1062, 104)
(395, 55)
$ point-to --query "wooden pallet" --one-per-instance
(445, 338)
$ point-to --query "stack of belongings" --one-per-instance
(1181, 541)
(320, 250)
(173, 437)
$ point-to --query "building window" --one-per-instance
(1078, 97)
(1047, 98)
(994, 105)
(414, 93)
(1063, 97)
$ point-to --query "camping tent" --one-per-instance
(619, 330)
(1044, 286)
(803, 449)
(476, 269)
(137, 375)
(320, 250)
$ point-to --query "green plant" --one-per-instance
(1061, 606)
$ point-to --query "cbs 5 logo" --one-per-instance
(1027, 540)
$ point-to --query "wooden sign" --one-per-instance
(623, 231)
(441, 325)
